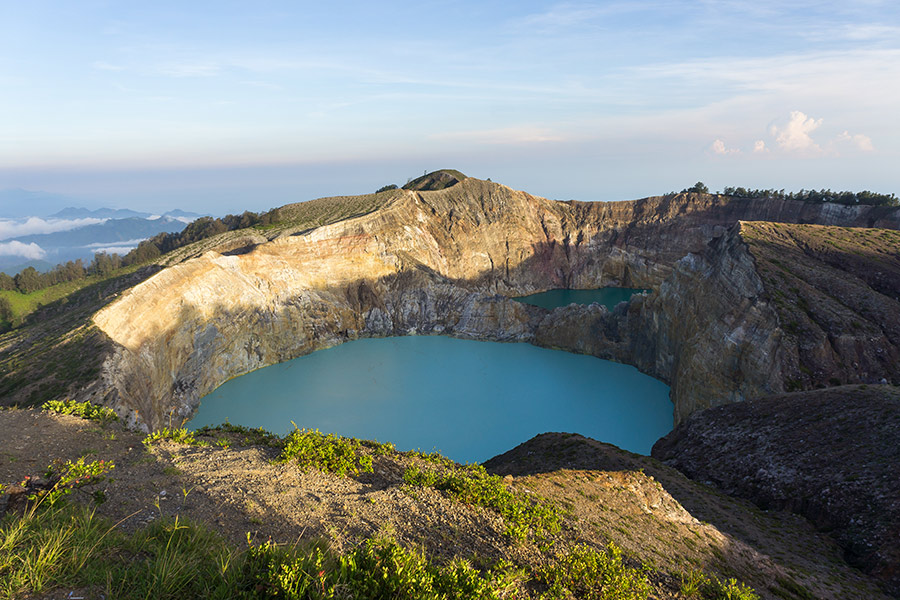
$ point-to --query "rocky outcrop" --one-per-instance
(830, 455)
(445, 262)
(709, 330)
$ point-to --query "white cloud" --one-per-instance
(860, 141)
(37, 225)
(718, 147)
(115, 249)
(795, 136)
(31, 251)
(105, 66)
(191, 69)
(759, 147)
(129, 243)
(507, 135)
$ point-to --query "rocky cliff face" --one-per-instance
(829, 455)
(445, 262)
(709, 330)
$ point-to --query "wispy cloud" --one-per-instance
(122, 249)
(37, 225)
(130, 243)
(191, 69)
(105, 66)
(15, 248)
(523, 134)
(858, 141)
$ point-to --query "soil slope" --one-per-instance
(657, 515)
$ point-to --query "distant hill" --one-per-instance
(111, 236)
(99, 213)
(17, 203)
(438, 180)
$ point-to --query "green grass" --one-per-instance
(69, 546)
(251, 436)
(178, 435)
(592, 575)
(86, 410)
(522, 516)
(24, 304)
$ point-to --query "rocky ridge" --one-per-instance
(447, 262)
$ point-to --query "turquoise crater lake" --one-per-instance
(608, 297)
(467, 399)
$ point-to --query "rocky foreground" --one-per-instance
(676, 527)
(829, 455)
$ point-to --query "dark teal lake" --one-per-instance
(469, 400)
(609, 297)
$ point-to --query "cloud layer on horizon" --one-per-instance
(15, 248)
(36, 225)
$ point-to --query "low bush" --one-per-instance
(473, 485)
(310, 448)
(86, 410)
(586, 573)
(178, 435)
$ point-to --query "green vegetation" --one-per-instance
(251, 436)
(586, 573)
(329, 453)
(69, 546)
(378, 568)
(86, 410)
(817, 196)
(473, 485)
(178, 435)
(436, 180)
(67, 477)
(696, 584)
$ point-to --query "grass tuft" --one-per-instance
(473, 485)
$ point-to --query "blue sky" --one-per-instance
(223, 106)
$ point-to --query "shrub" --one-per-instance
(473, 485)
(329, 453)
(178, 435)
(592, 575)
(85, 410)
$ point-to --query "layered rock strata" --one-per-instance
(445, 262)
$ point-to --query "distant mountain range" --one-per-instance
(41, 230)
(121, 213)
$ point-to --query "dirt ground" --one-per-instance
(655, 514)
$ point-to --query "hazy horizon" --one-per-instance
(224, 108)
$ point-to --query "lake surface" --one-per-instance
(469, 400)
(608, 296)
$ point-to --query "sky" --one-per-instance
(225, 106)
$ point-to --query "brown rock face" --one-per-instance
(830, 455)
(445, 262)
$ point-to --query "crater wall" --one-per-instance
(446, 262)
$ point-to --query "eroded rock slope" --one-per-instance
(446, 262)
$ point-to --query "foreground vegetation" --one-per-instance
(64, 545)
(53, 543)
